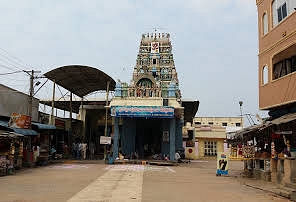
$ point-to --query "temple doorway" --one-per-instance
(148, 137)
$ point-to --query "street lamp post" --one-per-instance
(241, 112)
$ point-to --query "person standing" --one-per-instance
(84, 148)
(91, 150)
(74, 152)
(53, 152)
(36, 153)
(80, 147)
(77, 150)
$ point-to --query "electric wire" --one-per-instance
(63, 95)
(9, 76)
(40, 87)
(11, 62)
(10, 73)
(7, 67)
(14, 58)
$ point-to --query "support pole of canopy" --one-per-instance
(51, 118)
(70, 127)
(172, 138)
(115, 137)
(106, 115)
(82, 118)
(81, 103)
(71, 109)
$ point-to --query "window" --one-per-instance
(210, 148)
(190, 135)
(198, 123)
(265, 75)
(284, 67)
(265, 24)
(237, 124)
(154, 61)
(274, 13)
(293, 63)
(277, 70)
(224, 124)
(210, 123)
(282, 12)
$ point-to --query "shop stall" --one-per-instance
(11, 152)
(44, 142)
(269, 150)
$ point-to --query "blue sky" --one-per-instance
(215, 44)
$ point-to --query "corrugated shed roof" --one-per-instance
(80, 80)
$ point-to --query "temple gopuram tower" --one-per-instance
(147, 113)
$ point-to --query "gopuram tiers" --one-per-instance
(154, 74)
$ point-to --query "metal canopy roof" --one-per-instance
(65, 105)
(80, 80)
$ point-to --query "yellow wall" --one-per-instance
(201, 146)
(190, 155)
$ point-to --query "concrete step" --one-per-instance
(291, 185)
(283, 192)
(289, 189)
(293, 196)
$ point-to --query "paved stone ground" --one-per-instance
(99, 182)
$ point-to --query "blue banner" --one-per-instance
(142, 111)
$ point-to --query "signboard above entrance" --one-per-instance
(105, 140)
(142, 112)
(19, 121)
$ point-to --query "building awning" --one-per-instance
(21, 131)
(142, 112)
(25, 131)
(42, 126)
(252, 129)
(284, 119)
(4, 123)
(9, 135)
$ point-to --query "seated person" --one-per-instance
(178, 157)
(166, 157)
(53, 152)
(120, 156)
